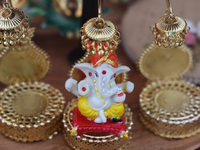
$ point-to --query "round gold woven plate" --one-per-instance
(23, 63)
(157, 63)
(171, 108)
(30, 111)
(94, 141)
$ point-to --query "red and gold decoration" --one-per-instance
(98, 118)
(95, 141)
(98, 41)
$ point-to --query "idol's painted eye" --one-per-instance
(96, 73)
(113, 76)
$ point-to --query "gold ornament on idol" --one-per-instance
(99, 35)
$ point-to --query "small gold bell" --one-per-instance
(170, 30)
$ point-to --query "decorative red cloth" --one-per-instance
(97, 60)
(89, 126)
(111, 59)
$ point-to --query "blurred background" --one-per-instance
(57, 24)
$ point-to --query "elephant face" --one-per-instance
(103, 77)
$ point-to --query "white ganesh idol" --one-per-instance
(99, 96)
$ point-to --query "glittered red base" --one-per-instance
(89, 126)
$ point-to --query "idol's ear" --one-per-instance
(121, 69)
(86, 68)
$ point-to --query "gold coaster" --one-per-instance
(157, 63)
(171, 108)
(30, 111)
(23, 63)
(95, 141)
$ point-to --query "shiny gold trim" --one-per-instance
(125, 135)
(104, 58)
(170, 118)
(98, 95)
(27, 125)
(74, 131)
(124, 88)
(151, 77)
(94, 140)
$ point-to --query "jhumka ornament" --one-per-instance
(169, 107)
(98, 118)
(14, 25)
(29, 110)
(170, 30)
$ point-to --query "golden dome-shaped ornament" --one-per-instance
(99, 36)
(170, 30)
(14, 25)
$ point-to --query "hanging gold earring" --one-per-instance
(170, 30)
